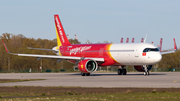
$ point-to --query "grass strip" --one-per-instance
(140, 96)
(18, 80)
(30, 91)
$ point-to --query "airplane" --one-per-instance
(160, 47)
(121, 40)
(132, 40)
(89, 57)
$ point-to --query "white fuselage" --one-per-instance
(122, 53)
(132, 54)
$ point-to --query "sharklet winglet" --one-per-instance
(145, 38)
(5, 47)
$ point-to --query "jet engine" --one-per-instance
(87, 66)
(141, 68)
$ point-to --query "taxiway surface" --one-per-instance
(133, 79)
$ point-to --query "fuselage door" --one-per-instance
(137, 51)
(101, 51)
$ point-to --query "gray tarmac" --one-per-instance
(132, 79)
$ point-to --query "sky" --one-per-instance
(94, 20)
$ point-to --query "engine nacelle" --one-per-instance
(87, 66)
(141, 68)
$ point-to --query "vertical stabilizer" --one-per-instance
(60, 33)
(132, 40)
(127, 40)
(160, 47)
(121, 40)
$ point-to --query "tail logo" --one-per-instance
(60, 30)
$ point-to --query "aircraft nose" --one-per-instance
(157, 57)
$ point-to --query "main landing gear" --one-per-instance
(146, 72)
(122, 71)
(85, 74)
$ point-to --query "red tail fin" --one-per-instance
(142, 40)
(121, 40)
(132, 40)
(127, 40)
(61, 36)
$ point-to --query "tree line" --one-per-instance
(19, 43)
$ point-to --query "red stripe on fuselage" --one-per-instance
(89, 50)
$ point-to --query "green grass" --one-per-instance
(158, 96)
(23, 93)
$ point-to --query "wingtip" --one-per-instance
(5, 47)
(175, 46)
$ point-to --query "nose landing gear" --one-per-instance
(146, 71)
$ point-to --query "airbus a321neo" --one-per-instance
(89, 56)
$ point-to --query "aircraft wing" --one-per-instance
(54, 56)
(175, 48)
(58, 57)
(168, 52)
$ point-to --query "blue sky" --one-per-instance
(94, 20)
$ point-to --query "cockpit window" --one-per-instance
(150, 49)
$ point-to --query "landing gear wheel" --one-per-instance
(124, 72)
(87, 74)
(120, 71)
(146, 73)
(83, 74)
